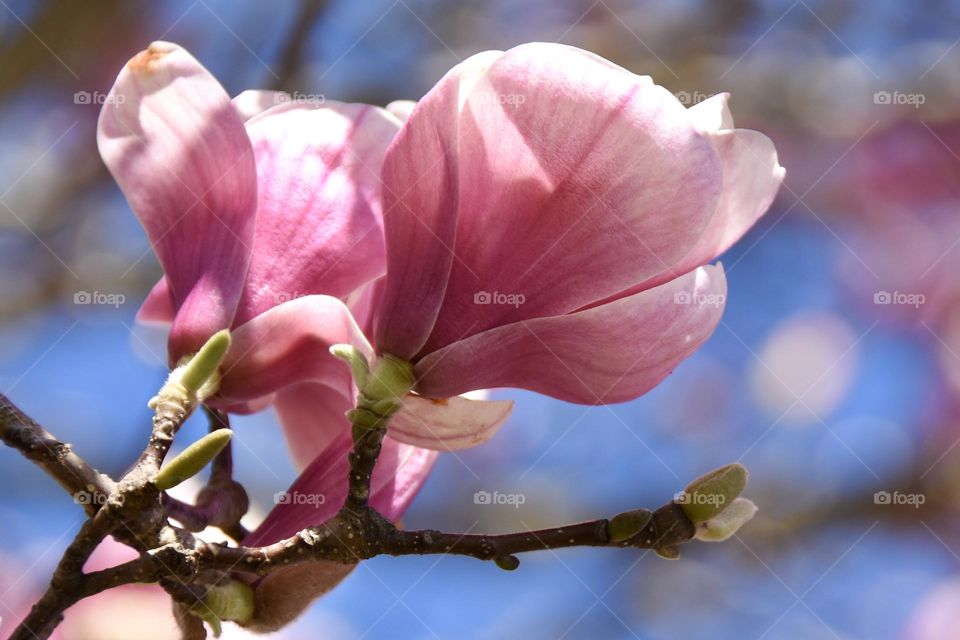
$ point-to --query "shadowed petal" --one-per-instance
(312, 416)
(571, 180)
(610, 353)
(448, 424)
(289, 344)
(319, 226)
(158, 306)
(176, 146)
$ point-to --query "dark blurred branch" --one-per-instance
(292, 56)
(88, 486)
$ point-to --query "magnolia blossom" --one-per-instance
(547, 218)
(264, 214)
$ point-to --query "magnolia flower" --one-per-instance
(547, 218)
(264, 214)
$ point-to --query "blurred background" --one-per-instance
(834, 376)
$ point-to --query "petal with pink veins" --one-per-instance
(289, 344)
(319, 492)
(610, 353)
(253, 102)
(448, 424)
(312, 416)
(157, 307)
(319, 226)
(570, 179)
(176, 146)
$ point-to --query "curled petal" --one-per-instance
(176, 146)
(319, 492)
(253, 102)
(289, 344)
(713, 114)
(158, 306)
(319, 226)
(448, 424)
(584, 356)
(312, 416)
(401, 109)
(573, 180)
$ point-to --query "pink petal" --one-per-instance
(420, 184)
(712, 114)
(610, 353)
(253, 102)
(448, 424)
(320, 490)
(312, 416)
(751, 178)
(176, 146)
(570, 179)
(401, 109)
(289, 344)
(158, 306)
(319, 226)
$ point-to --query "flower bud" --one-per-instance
(357, 361)
(193, 459)
(390, 380)
(727, 522)
(712, 493)
(232, 601)
(626, 525)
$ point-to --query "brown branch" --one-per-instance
(88, 486)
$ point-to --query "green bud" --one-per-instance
(193, 459)
(626, 525)
(390, 378)
(204, 365)
(357, 361)
(507, 563)
(727, 522)
(710, 494)
(232, 600)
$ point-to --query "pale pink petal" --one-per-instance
(176, 146)
(420, 186)
(574, 179)
(751, 178)
(319, 226)
(312, 416)
(610, 353)
(448, 424)
(321, 489)
(401, 109)
(712, 114)
(158, 306)
(253, 102)
(289, 344)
